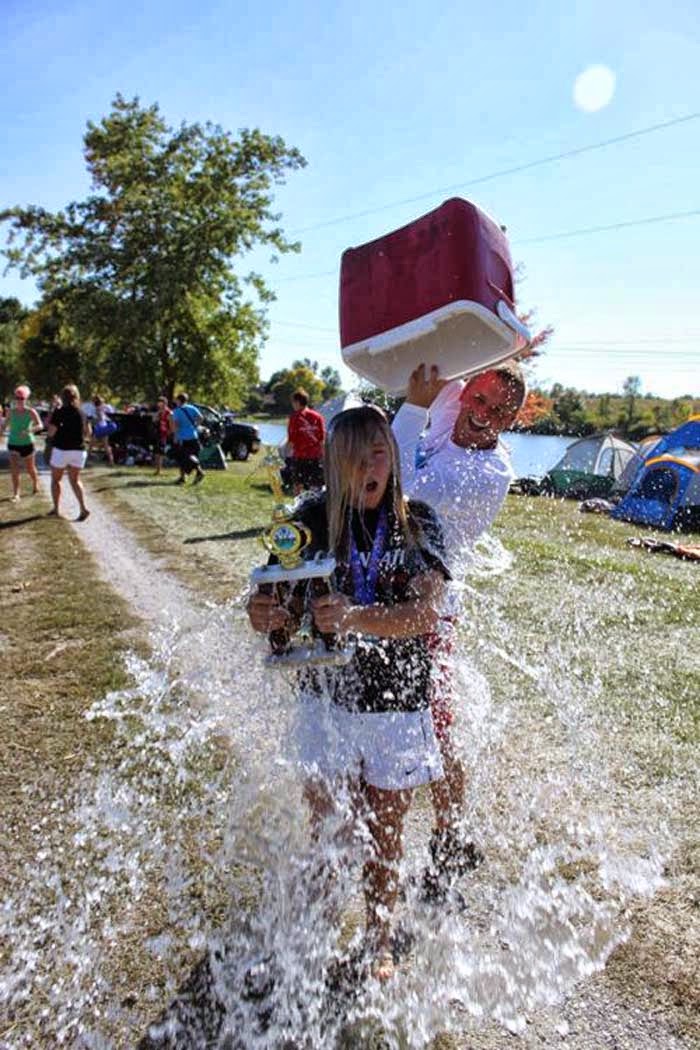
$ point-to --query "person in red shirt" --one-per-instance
(305, 433)
(162, 422)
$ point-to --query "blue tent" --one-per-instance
(665, 492)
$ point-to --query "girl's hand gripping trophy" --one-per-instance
(293, 581)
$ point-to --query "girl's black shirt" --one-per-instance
(385, 674)
(68, 421)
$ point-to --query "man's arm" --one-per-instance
(412, 418)
(426, 393)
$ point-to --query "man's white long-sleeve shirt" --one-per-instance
(465, 487)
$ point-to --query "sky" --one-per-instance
(396, 108)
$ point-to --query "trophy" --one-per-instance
(295, 581)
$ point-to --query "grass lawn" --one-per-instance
(63, 637)
(618, 615)
(581, 628)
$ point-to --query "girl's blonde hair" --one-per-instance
(70, 395)
(350, 437)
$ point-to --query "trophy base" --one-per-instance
(313, 569)
(314, 655)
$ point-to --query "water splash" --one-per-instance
(194, 844)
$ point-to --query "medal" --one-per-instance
(365, 582)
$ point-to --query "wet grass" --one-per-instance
(622, 618)
(203, 532)
(619, 622)
(63, 636)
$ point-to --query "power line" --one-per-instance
(613, 226)
(565, 155)
(672, 217)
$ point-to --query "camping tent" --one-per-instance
(643, 451)
(665, 492)
(589, 467)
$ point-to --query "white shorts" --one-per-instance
(68, 457)
(391, 750)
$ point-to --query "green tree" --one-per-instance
(569, 409)
(282, 385)
(50, 354)
(12, 314)
(330, 377)
(144, 266)
(630, 417)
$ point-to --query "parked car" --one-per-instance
(237, 440)
(240, 440)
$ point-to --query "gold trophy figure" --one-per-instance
(295, 580)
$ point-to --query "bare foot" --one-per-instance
(84, 515)
(53, 513)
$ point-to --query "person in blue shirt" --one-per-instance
(184, 423)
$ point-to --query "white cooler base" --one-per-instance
(461, 338)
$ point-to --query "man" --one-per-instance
(305, 434)
(460, 469)
(184, 422)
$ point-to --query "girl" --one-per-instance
(22, 422)
(68, 428)
(162, 422)
(376, 734)
(102, 427)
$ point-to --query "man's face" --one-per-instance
(490, 404)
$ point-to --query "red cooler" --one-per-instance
(439, 290)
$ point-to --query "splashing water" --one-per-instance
(194, 845)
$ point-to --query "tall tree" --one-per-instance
(631, 392)
(282, 385)
(12, 314)
(144, 266)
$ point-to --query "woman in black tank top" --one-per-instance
(67, 430)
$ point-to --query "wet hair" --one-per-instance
(512, 373)
(350, 436)
(70, 395)
(301, 396)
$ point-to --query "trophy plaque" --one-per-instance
(295, 581)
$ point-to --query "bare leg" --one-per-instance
(56, 475)
(14, 473)
(453, 854)
(77, 486)
(385, 815)
(108, 452)
(31, 470)
(448, 793)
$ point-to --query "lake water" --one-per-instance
(532, 454)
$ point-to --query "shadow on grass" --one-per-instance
(237, 534)
(21, 521)
(141, 484)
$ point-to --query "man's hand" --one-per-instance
(331, 613)
(265, 613)
(422, 391)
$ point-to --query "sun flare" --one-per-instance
(594, 88)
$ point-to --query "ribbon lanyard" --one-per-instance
(365, 583)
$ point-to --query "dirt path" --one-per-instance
(637, 1003)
